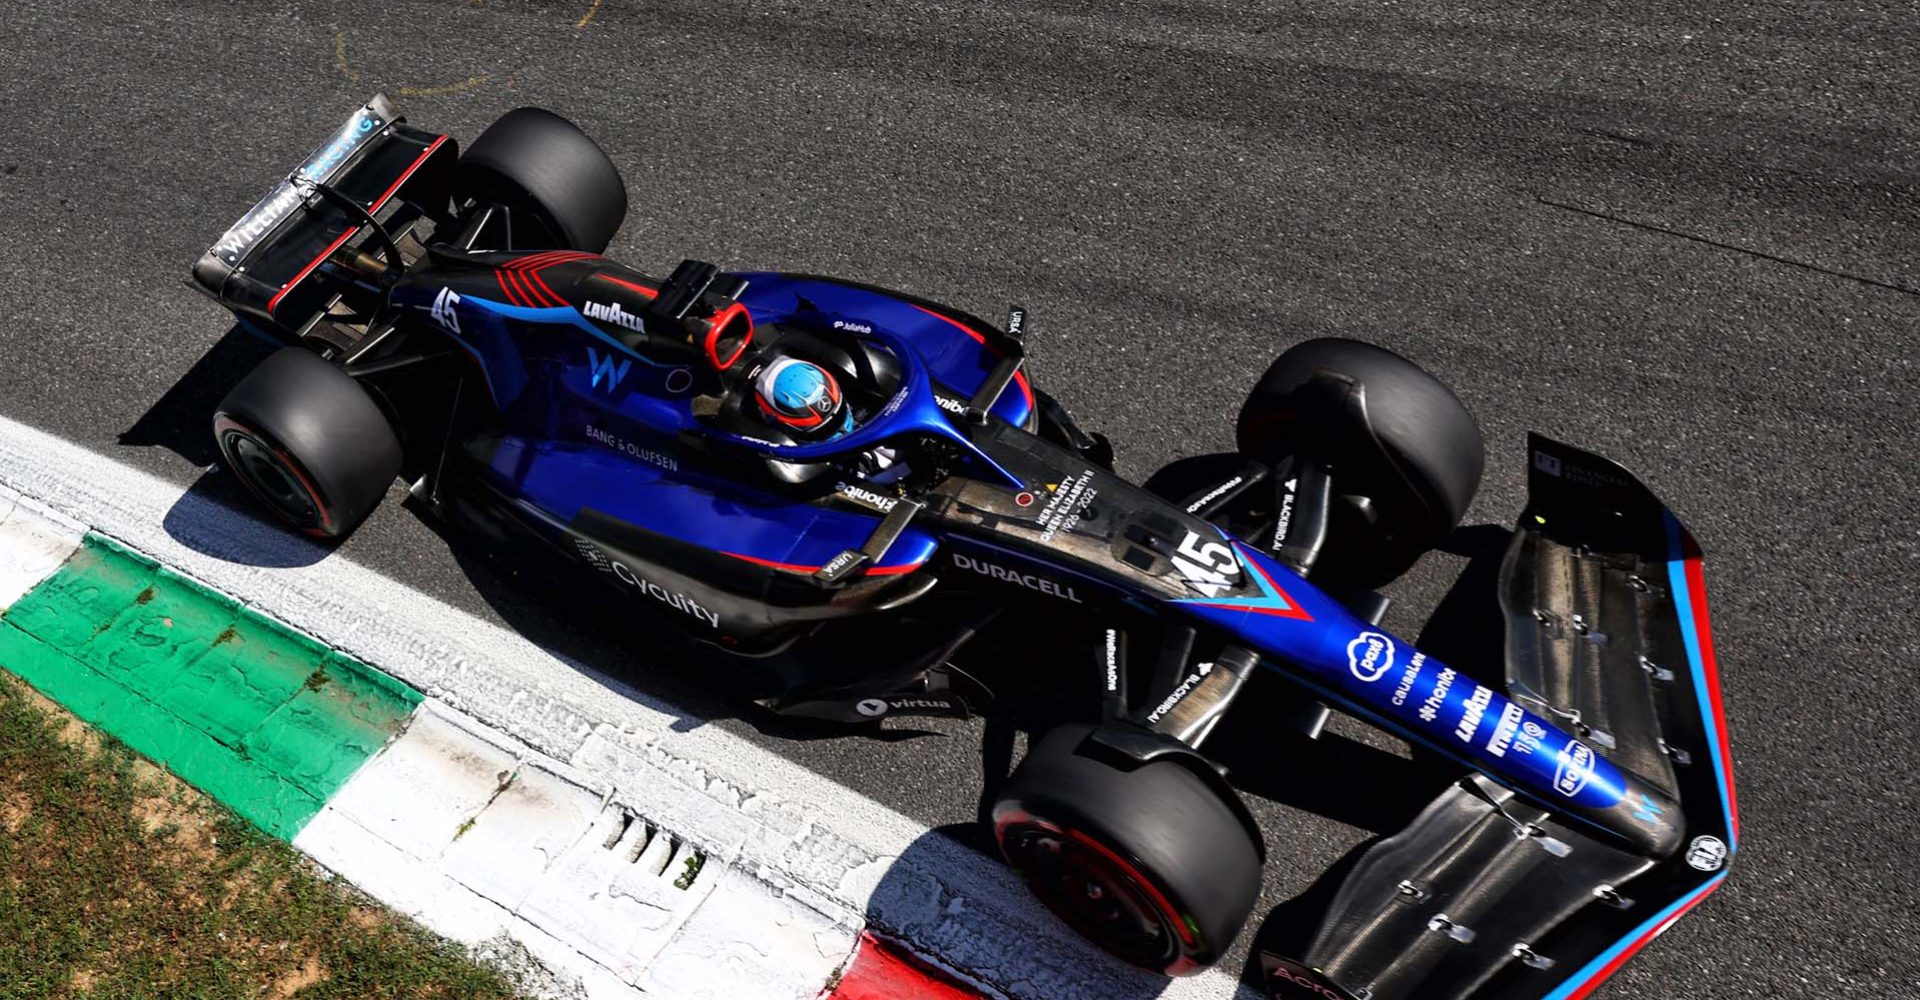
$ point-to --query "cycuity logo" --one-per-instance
(1370, 656)
(605, 368)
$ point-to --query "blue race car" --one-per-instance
(847, 484)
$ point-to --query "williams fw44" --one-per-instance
(847, 488)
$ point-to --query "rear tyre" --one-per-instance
(308, 442)
(1150, 864)
(1401, 447)
(541, 166)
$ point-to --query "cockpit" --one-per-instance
(801, 387)
(810, 394)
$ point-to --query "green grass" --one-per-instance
(117, 881)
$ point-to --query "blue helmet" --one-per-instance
(799, 395)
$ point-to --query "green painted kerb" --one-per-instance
(247, 710)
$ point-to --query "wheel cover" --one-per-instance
(1096, 892)
(271, 477)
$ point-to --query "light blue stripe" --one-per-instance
(1689, 634)
(1273, 599)
(560, 314)
(1592, 969)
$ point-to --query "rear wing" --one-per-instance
(1486, 896)
(375, 174)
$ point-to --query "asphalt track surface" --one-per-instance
(1682, 235)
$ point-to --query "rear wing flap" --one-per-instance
(264, 264)
(1489, 897)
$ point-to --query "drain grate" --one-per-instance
(656, 851)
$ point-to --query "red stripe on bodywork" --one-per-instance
(519, 263)
(1019, 378)
(524, 290)
(547, 259)
(545, 289)
(541, 292)
(1703, 631)
(1292, 610)
(378, 204)
(798, 568)
(880, 970)
(532, 267)
(1633, 949)
(789, 567)
(507, 290)
(642, 289)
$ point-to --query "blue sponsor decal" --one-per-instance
(1573, 769)
(361, 125)
(607, 368)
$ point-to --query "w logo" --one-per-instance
(606, 368)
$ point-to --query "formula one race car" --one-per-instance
(780, 463)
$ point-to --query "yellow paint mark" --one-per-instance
(447, 88)
(340, 57)
(353, 75)
(592, 9)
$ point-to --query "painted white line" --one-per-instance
(814, 843)
(34, 541)
(488, 843)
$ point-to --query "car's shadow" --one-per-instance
(181, 420)
(589, 626)
(216, 516)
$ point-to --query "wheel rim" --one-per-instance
(1095, 892)
(271, 477)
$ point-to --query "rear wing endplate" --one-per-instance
(262, 263)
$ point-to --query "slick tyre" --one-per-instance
(1402, 449)
(308, 442)
(1149, 863)
(542, 166)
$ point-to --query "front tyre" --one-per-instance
(1149, 863)
(1403, 450)
(308, 443)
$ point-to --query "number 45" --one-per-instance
(443, 309)
(1208, 567)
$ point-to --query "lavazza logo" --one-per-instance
(612, 313)
(1370, 656)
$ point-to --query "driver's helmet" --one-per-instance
(801, 397)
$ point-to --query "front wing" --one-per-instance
(1486, 896)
